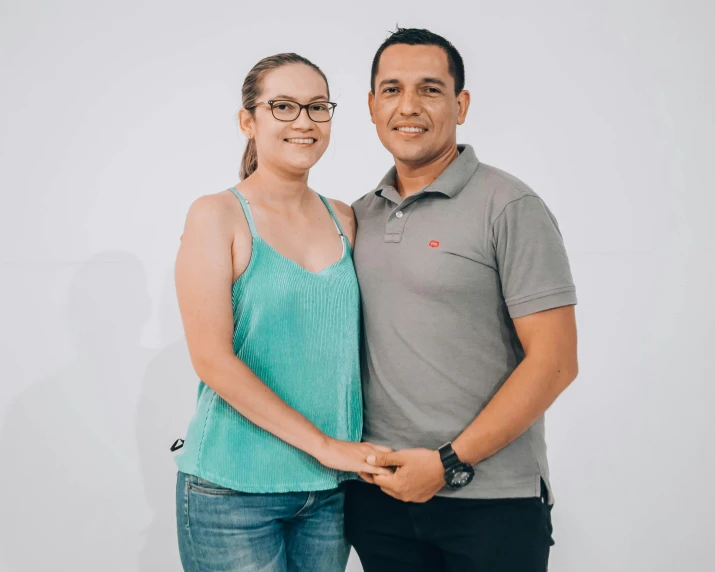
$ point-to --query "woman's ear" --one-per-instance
(246, 123)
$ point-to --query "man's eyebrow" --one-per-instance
(434, 80)
(291, 98)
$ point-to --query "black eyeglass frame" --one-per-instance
(301, 107)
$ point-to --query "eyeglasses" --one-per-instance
(286, 110)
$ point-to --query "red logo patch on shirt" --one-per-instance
(434, 243)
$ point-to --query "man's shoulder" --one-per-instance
(498, 182)
(497, 187)
(362, 204)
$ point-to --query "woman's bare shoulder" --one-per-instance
(215, 212)
(346, 216)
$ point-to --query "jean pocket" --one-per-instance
(204, 487)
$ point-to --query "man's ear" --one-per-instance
(371, 105)
(463, 101)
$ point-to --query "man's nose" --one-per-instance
(409, 103)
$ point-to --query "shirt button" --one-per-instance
(398, 214)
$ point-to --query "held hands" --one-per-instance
(352, 457)
(418, 474)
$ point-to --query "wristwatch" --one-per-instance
(456, 473)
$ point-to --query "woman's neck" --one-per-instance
(278, 190)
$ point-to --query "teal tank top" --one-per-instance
(299, 332)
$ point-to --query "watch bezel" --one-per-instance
(450, 473)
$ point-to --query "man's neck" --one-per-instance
(413, 178)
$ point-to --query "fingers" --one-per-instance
(384, 459)
(388, 485)
(372, 470)
(367, 477)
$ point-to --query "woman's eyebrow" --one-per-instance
(291, 98)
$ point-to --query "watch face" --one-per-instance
(460, 476)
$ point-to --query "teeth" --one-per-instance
(301, 141)
(411, 129)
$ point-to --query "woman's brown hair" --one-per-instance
(252, 88)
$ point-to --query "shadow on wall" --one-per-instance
(88, 477)
(73, 491)
(166, 404)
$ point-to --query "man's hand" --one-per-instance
(418, 475)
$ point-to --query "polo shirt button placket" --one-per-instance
(395, 226)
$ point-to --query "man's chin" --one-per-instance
(412, 157)
(407, 152)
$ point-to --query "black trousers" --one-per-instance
(447, 534)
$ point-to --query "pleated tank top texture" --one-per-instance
(299, 332)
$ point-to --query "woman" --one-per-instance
(270, 305)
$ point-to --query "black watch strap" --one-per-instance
(448, 456)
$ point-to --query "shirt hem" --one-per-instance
(270, 487)
(527, 488)
(540, 302)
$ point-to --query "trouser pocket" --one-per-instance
(202, 486)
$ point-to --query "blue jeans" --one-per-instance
(227, 530)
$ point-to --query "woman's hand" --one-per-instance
(351, 457)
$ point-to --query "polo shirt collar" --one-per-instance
(449, 183)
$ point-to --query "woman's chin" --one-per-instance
(302, 162)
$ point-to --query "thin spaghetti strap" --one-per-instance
(332, 214)
(246, 211)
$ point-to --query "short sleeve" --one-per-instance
(531, 258)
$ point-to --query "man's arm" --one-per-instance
(549, 366)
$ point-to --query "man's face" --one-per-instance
(414, 106)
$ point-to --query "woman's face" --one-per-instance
(294, 145)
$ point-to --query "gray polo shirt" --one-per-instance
(442, 274)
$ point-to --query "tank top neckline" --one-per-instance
(257, 237)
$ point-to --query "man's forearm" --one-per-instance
(525, 396)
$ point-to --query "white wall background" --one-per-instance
(114, 116)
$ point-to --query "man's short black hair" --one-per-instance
(422, 37)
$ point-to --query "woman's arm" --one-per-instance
(204, 275)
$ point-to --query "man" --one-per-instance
(470, 335)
